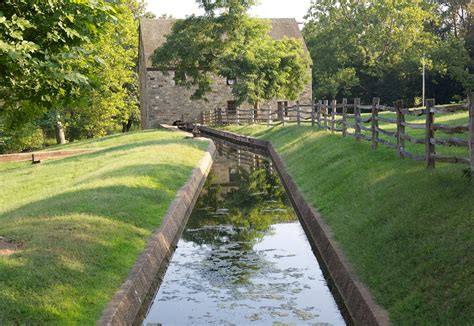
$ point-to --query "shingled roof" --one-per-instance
(153, 33)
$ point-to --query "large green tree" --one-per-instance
(228, 43)
(38, 45)
(113, 97)
(68, 65)
(455, 28)
(376, 48)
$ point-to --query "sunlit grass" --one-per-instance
(82, 221)
(408, 232)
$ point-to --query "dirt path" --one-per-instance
(42, 155)
(8, 248)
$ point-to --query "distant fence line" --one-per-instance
(334, 116)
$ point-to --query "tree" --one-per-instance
(375, 48)
(456, 16)
(138, 8)
(226, 42)
(455, 29)
(70, 66)
(38, 47)
(113, 99)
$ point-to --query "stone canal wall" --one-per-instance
(349, 291)
(128, 301)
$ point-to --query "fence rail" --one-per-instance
(333, 116)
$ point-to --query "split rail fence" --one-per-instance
(347, 119)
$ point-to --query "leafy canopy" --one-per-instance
(113, 97)
(228, 43)
(375, 48)
(38, 45)
(68, 66)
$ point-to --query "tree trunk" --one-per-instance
(256, 108)
(126, 126)
(59, 132)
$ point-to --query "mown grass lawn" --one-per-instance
(80, 222)
(408, 232)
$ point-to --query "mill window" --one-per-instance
(179, 78)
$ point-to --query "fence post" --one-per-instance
(283, 110)
(400, 128)
(298, 113)
(281, 114)
(325, 113)
(357, 118)
(202, 118)
(318, 113)
(313, 108)
(219, 116)
(237, 116)
(269, 120)
(252, 116)
(344, 117)
(375, 122)
(333, 115)
(429, 147)
(471, 133)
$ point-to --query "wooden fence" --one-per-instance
(338, 117)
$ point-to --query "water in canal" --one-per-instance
(243, 258)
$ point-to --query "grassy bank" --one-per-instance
(408, 232)
(76, 225)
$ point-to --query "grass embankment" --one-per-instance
(408, 232)
(79, 223)
(453, 119)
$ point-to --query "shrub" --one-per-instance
(29, 137)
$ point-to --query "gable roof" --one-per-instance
(153, 33)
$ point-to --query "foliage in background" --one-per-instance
(226, 42)
(38, 46)
(113, 99)
(69, 66)
(376, 48)
(28, 137)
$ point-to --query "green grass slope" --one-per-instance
(408, 232)
(82, 221)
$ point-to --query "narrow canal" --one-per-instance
(243, 258)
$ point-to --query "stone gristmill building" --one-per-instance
(163, 102)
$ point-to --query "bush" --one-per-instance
(28, 138)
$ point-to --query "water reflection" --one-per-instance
(243, 257)
(244, 199)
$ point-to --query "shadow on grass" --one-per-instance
(137, 205)
(70, 267)
(76, 144)
(128, 147)
(80, 245)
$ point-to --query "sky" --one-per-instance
(267, 8)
